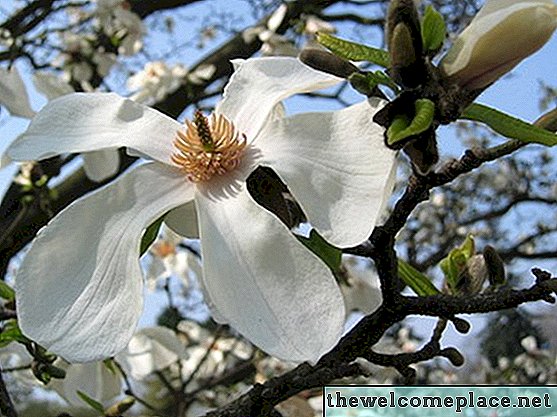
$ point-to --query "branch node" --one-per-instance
(453, 355)
(461, 325)
(541, 275)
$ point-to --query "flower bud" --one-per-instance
(327, 62)
(495, 266)
(404, 41)
(502, 34)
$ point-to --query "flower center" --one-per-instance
(208, 147)
(163, 249)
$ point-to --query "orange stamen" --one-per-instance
(205, 149)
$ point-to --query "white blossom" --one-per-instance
(151, 349)
(273, 43)
(256, 275)
(156, 81)
(169, 261)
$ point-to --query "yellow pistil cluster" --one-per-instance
(207, 148)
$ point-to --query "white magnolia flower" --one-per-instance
(94, 379)
(314, 24)
(80, 59)
(207, 359)
(115, 19)
(13, 94)
(201, 74)
(169, 261)
(155, 81)
(273, 43)
(151, 349)
(256, 275)
(502, 34)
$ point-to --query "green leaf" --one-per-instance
(509, 126)
(453, 264)
(328, 253)
(366, 82)
(95, 405)
(424, 112)
(434, 30)
(419, 282)
(150, 235)
(468, 247)
(354, 51)
(12, 333)
(109, 363)
(6, 292)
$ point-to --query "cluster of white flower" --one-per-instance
(82, 57)
(155, 81)
(167, 260)
(275, 44)
(119, 22)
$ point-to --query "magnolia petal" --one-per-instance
(493, 6)
(517, 27)
(269, 80)
(85, 306)
(93, 379)
(183, 220)
(82, 122)
(336, 166)
(277, 17)
(101, 165)
(264, 282)
(151, 349)
(13, 94)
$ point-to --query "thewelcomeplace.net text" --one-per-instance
(456, 402)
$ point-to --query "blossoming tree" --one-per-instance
(265, 228)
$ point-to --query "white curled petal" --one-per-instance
(518, 28)
(497, 6)
(258, 84)
(183, 220)
(13, 94)
(336, 166)
(101, 165)
(82, 122)
(93, 379)
(85, 305)
(151, 349)
(259, 278)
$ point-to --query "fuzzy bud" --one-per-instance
(122, 406)
(405, 43)
(495, 266)
(502, 34)
(327, 62)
